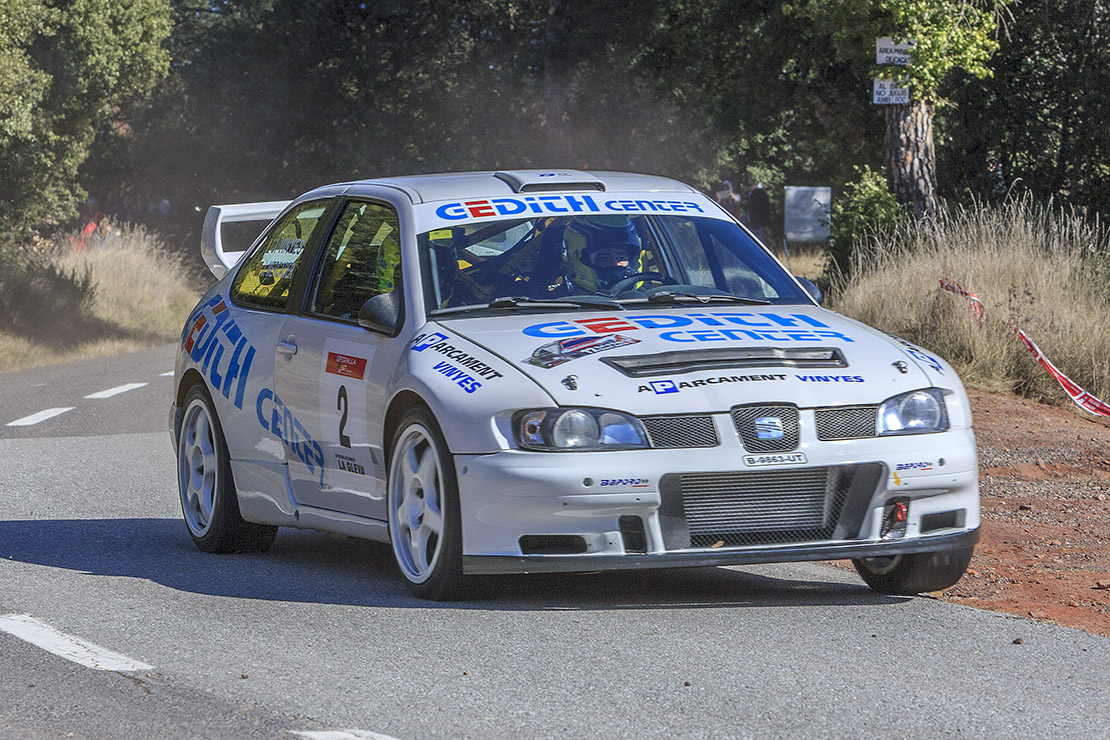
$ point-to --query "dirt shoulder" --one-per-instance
(1045, 486)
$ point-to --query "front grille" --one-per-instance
(744, 508)
(849, 422)
(681, 431)
(767, 428)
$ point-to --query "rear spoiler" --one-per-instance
(211, 242)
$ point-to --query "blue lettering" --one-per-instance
(554, 329)
(451, 212)
(503, 206)
(660, 322)
(263, 395)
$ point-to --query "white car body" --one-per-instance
(309, 405)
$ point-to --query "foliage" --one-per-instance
(63, 71)
(948, 35)
(865, 210)
(1039, 125)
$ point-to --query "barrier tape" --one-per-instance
(1082, 398)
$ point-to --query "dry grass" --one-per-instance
(142, 294)
(1044, 271)
(806, 261)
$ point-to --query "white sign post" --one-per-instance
(888, 51)
(886, 92)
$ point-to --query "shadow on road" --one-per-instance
(312, 567)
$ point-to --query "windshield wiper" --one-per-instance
(578, 301)
(563, 304)
(678, 296)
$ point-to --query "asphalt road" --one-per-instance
(319, 638)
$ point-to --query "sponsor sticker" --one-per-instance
(345, 365)
(663, 387)
(546, 205)
(626, 482)
(565, 350)
(717, 326)
(792, 458)
(914, 466)
(216, 344)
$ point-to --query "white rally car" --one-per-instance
(526, 371)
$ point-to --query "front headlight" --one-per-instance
(565, 430)
(917, 412)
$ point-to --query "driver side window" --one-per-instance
(265, 279)
(362, 259)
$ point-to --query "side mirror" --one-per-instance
(811, 288)
(382, 313)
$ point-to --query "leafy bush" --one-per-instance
(865, 210)
(37, 291)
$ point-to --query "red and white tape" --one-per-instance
(1081, 397)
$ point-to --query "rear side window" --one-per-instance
(362, 259)
(265, 279)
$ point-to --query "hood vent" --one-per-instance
(670, 363)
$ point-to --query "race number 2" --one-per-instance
(343, 414)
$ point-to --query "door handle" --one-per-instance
(286, 348)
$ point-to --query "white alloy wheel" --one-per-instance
(198, 467)
(416, 504)
(208, 499)
(424, 521)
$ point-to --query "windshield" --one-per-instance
(628, 260)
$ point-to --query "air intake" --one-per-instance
(540, 181)
(670, 363)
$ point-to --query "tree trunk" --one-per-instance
(911, 156)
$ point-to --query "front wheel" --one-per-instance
(208, 499)
(423, 500)
(906, 575)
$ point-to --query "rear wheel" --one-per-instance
(423, 499)
(906, 575)
(208, 499)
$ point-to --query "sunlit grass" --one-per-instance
(141, 296)
(1044, 271)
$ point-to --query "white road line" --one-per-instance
(27, 421)
(165, 375)
(115, 391)
(341, 735)
(69, 647)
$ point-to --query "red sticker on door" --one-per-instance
(346, 365)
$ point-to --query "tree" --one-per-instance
(63, 73)
(948, 35)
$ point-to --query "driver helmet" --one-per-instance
(601, 251)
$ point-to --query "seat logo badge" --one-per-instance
(768, 427)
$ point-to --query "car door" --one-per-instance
(261, 294)
(334, 373)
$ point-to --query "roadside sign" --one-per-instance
(887, 92)
(806, 213)
(889, 51)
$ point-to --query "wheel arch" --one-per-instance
(401, 403)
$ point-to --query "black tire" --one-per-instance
(906, 575)
(422, 496)
(209, 503)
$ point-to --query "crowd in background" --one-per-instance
(752, 208)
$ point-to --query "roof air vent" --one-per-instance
(540, 181)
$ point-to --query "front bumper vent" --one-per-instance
(746, 508)
(846, 422)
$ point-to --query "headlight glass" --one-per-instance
(917, 412)
(564, 430)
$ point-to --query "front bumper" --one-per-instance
(500, 564)
(526, 512)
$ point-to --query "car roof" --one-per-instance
(459, 185)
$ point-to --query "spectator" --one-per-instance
(758, 211)
(729, 200)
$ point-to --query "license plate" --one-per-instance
(794, 458)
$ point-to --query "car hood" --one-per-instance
(706, 358)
